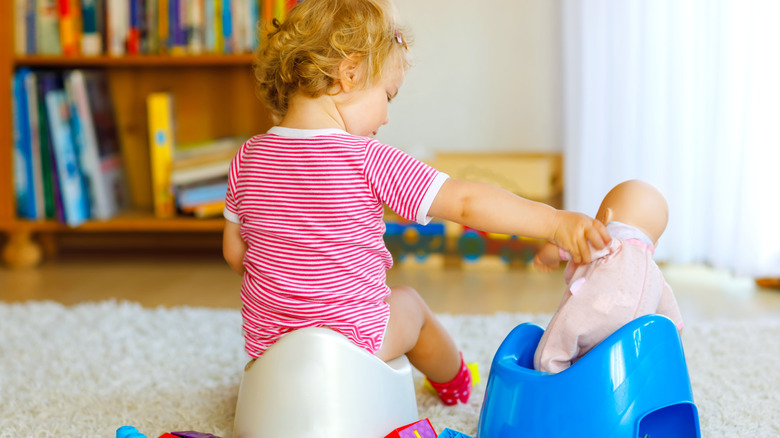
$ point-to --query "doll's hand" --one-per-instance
(547, 258)
(544, 266)
(574, 231)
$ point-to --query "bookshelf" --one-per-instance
(214, 97)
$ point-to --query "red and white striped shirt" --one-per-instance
(310, 205)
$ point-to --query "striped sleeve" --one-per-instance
(406, 185)
(231, 206)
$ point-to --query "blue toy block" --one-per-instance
(449, 433)
(129, 432)
(633, 384)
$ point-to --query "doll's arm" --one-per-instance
(489, 208)
(548, 258)
(233, 246)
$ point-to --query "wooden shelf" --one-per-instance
(130, 221)
(213, 98)
(134, 61)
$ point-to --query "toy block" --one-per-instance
(193, 434)
(129, 432)
(418, 429)
(449, 433)
(167, 435)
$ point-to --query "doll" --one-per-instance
(621, 283)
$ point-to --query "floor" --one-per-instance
(485, 287)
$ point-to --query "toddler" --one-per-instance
(305, 200)
(620, 284)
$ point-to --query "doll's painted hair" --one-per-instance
(303, 54)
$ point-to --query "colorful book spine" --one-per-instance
(47, 30)
(97, 169)
(75, 201)
(47, 81)
(31, 89)
(161, 141)
(68, 22)
(133, 45)
(22, 151)
(191, 196)
(20, 27)
(30, 18)
(92, 26)
(118, 25)
(227, 27)
(209, 26)
(163, 27)
(152, 27)
(219, 42)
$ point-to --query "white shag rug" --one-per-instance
(85, 370)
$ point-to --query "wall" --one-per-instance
(486, 77)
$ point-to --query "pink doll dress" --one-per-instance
(621, 284)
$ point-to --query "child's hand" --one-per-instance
(573, 231)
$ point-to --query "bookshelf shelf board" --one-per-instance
(134, 61)
(127, 221)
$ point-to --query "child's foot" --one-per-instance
(457, 389)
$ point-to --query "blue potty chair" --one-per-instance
(633, 384)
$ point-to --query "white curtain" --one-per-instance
(684, 94)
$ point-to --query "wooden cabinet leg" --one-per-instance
(48, 243)
(22, 251)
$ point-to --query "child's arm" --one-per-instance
(233, 246)
(489, 208)
(548, 258)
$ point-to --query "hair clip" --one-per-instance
(400, 38)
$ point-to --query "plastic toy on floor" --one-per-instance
(418, 429)
(449, 433)
(314, 382)
(633, 384)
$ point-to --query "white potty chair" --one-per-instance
(315, 383)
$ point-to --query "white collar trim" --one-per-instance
(303, 133)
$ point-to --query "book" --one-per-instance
(68, 24)
(20, 27)
(31, 89)
(99, 154)
(117, 26)
(75, 201)
(47, 29)
(152, 35)
(203, 161)
(208, 192)
(227, 27)
(30, 31)
(92, 27)
(133, 41)
(47, 81)
(161, 141)
(22, 150)
(211, 209)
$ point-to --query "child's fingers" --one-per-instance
(584, 251)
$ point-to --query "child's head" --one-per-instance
(638, 204)
(306, 52)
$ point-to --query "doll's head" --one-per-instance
(638, 204)
(305, 53)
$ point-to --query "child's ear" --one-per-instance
(349, 73)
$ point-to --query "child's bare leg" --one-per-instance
(414, 330)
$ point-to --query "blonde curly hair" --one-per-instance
(304, 53)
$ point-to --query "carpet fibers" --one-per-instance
(85, 370)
